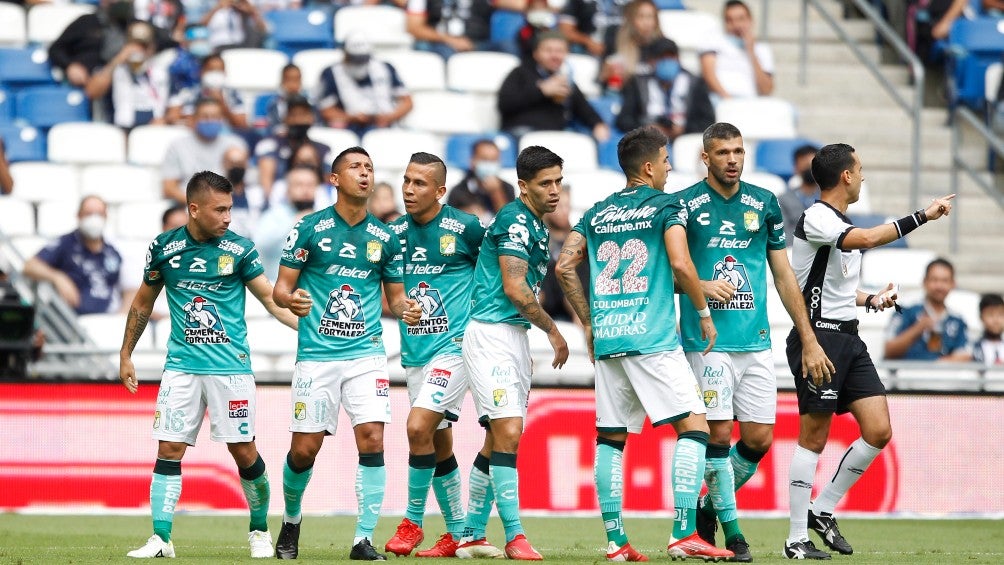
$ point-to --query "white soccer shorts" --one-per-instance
(498, 363)
(440, 386)
(361, 386)
(183, 399)
(737, 384)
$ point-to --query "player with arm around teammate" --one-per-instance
(204, 268)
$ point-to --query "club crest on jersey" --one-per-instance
(735, 273)
(300, 411)
(500, 397)
(343, 314)
(751, 220)
(156, 420)
(447, 245)
(225, 265)
(711, 399)
(373, 249)
(434, 319)
(203, 324)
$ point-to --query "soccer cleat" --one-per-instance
(826, 526)
(624, 553)
(261, 544)
(519, 548)
(804, 550)
(693, 547)
(445, 546)
(741, 549)
(288, 546)
(706, 527)
(470, 548)
(364, 551)
(154, 547)
(406, 539)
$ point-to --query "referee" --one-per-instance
(826, 258)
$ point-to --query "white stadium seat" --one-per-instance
(336, 139)
(690, 29)
(764, 117)
(56, 217)
(105, 330)
(903, 267)
(254, 69)
(418, 70)
(17, 217)
(46, 22)
(120, 183)
(577, 149)
(312, 63)
(384, 25)
(87, 142)
(992, 81)
(148, 144)
(14, 31)
(452, 112)
(42, 181)
(141, 220)
(479, 71)
(686, 154)
(677, 181)
(864, 202)
(29, 245)
(392, 148)
(583, 70)
(589, 187)
(769, 181)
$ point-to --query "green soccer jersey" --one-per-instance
(631, 299)
(516, 232)
(439, 259)
(729, 239)
(343, 268)
(204, 281)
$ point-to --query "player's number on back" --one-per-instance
(629, 281)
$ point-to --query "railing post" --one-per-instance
(803, 42)
(953, 227)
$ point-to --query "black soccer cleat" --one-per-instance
(804, 550)
(288, 546)
(363, 551)
(741, 549)
(706, 526)
(826, 526)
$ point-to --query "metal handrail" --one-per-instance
(912, 108)
(961, 115)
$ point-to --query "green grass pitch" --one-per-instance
(222, 539)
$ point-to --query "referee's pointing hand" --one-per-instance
(939, 207)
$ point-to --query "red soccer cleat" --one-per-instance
(694, 547)
(624, 553)
(408, 536)
(446, 546)
(519, 548)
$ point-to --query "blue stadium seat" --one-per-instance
(26, 66)
(261, 108)
(973, 46)
(670, 5)
(775, 155)
(608, 107)
(607, 151)
(505, 24)
(46, 106)
(872, 220)
(296, 30)
(22, 143)
(458, 148)
(6, 107)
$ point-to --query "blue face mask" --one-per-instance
(209, 129)
(736, 40)
(667, 69)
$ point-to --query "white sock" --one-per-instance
(800, 477)
(853, 464)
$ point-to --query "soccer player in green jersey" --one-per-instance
(342, 256)
(734, 233)
(204, 268)
(510, 268)
(635, 246)
(440, 246)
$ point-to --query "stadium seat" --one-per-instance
(86, 142)
(14, 31)
(505, 24)
(904, 267)
(479, 71)
(418, 70)
(608, 107)
(452, 112)
(691, 29)
(17, 217)
(28, 246)
(459, 147)
(577, 149)
(6, 107)
(103, 329)
(140, 219)
(148, 144)
(974, 45)
(777, 155)
(120, 183)
(583, 70)
(56, 217)
(260, 109)
(872, 220)
(391, 148)
(677, 181)
(670, 5)
(764, 117)
(607, 151)
(312, 63)
(47, 21)
(589, 187)
(46, 106)
(864, 203)
(23, 67)
(256, 70)
(766, 180)
(384, 25)
(686, 153)
(336, 139)
(296, 30)
(44, 182)
(992, 84)
(22, 143)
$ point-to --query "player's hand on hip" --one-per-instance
(127, 374)
(939, 207)
(815, 364)
(720, 290)
(559, 346)
(708, 333)
(412, 312)
(301, 303)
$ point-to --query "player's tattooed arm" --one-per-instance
(519, 293)
(136, 321)
(572, 254)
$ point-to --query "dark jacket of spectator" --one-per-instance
(94, 39)
(525, 108)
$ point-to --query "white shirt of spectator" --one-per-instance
(378, 97)
(733, 67)
(145, 91)
(226, 27)
(837, 296)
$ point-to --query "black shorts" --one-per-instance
(856, 376)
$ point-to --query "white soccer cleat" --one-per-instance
(261, 544)
(155, 547)
(470, 548)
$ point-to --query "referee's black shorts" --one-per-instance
(856, 376)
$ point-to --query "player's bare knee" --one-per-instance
(758, 437)
(244, 454)
(419, 434)
(369, 437)
(720, 432)
(171, 450)
(877, 438)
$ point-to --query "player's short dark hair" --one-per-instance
(939, 262)
(423, 158)
(341, 156)
(534, 159)
(206, 181)
(173, 209)
(639, 146)
(803, 150)
(733, 3)
(719, 130)
(830, 162)
(991, 300)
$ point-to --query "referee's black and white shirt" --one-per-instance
(827, 274)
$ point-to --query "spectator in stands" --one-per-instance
(235, 23)
(361, 93)
(213, 75)
(81, 265)
(636, 35)
(482, 192)
(132, 271)
(736, 64)
(540, 18)
(382, 203)
(249, 198)
(186, 69)
(307, 155)
(274, 152)
(138, 87)
(928, 23)
(802, 190)
(664, 94)
(929, 331)
(290, 84)
(200, 150)
(447, 27)
(6, 180)
(273, 226)
(168, 15)
(590, 26)
(989, 349)
(539, 94)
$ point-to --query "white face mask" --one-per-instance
(214, 79)
(92, 226)
(357, 72)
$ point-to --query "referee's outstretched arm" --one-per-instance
(867, 238)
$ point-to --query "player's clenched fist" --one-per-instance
(301, 303)
(412, 313)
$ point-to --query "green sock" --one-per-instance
(371, 478)
(294, 483)
(721, 488)
(608, 473)
(420, 469)
(165, 490)
(688, 470)
(744, 461)
(447, 485)
(505, 482)
(254, 481)
(479, 505)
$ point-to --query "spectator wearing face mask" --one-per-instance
(736, 64)
(202, 149)
(802, 190)
(186, 69)
(234, 23)
(213, 76)
(308, 156)
(361, 93)
(273, 226)
(168, 15)
(274, 152)
(482, 192)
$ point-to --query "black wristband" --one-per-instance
(907, 224)
(868, 303)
